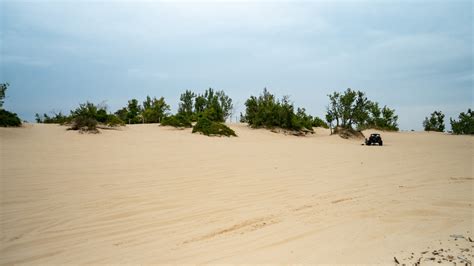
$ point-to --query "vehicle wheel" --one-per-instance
(381, 143)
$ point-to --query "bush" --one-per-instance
(132, 114)
(9, 119)
(154, 109)
(465, 124)
(57, 118)
(382, 119)
(265, 111)
(114, 121)
(216, 104)
(178, 120)
(87, 116)
(211, 128)
(318, 122)
(85, 124)
(353, 108)
(435, 122)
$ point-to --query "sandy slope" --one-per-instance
(147, 194)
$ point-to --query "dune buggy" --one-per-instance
(374, 139)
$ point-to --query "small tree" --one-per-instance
(187, 103)
(215, 104)
(266, 111)
(384, 118)
(318, 122)
(154, 109)
(122, 114)
(56, 118)
(88, 116)
(348, 108)
(178, 120)
(465, 123)
(84, 118)
(38, 118)
(3, 89)
(7, 119)
(435, 122)
(330, 119)
(133, 112)
(389, 119)
(352, 108)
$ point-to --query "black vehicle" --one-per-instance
(373, 139)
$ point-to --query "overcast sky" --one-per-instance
(414, 56)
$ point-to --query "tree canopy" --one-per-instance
(215, 105)
(465, 123)
(154, 109)
(266, 111)
(209, 110)
(3, 90)
(435, 122)
(352, 108)
(7, 119)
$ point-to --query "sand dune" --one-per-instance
(149, 194)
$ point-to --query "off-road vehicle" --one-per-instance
(373, 139)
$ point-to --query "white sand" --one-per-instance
(148, 194)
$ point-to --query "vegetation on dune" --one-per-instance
(318, 122)
(154, 110)
(3, 92)
(210, 110)
(7, 119)
(178, 120)
(435, 122)
(216, 105)
(384, 118)
(85, 118)
(268, 112)
(132, 113)
(88, 116)
(465, 123)
(114, 121)
(347, 114)
(211, 128)
(57, 118)
(353, 109)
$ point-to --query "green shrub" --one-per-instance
(114, 121)
(216, 104)
(318, 122)
(266, 111)
(352, 108)
(86, 116)
(435, 122)
(211, 128)
(132, 114)
(85, 124)
(154, 109)
(57, 118)
(177, 120)
(465, 124)
(9, 119)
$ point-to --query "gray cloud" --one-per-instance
(409, 55)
